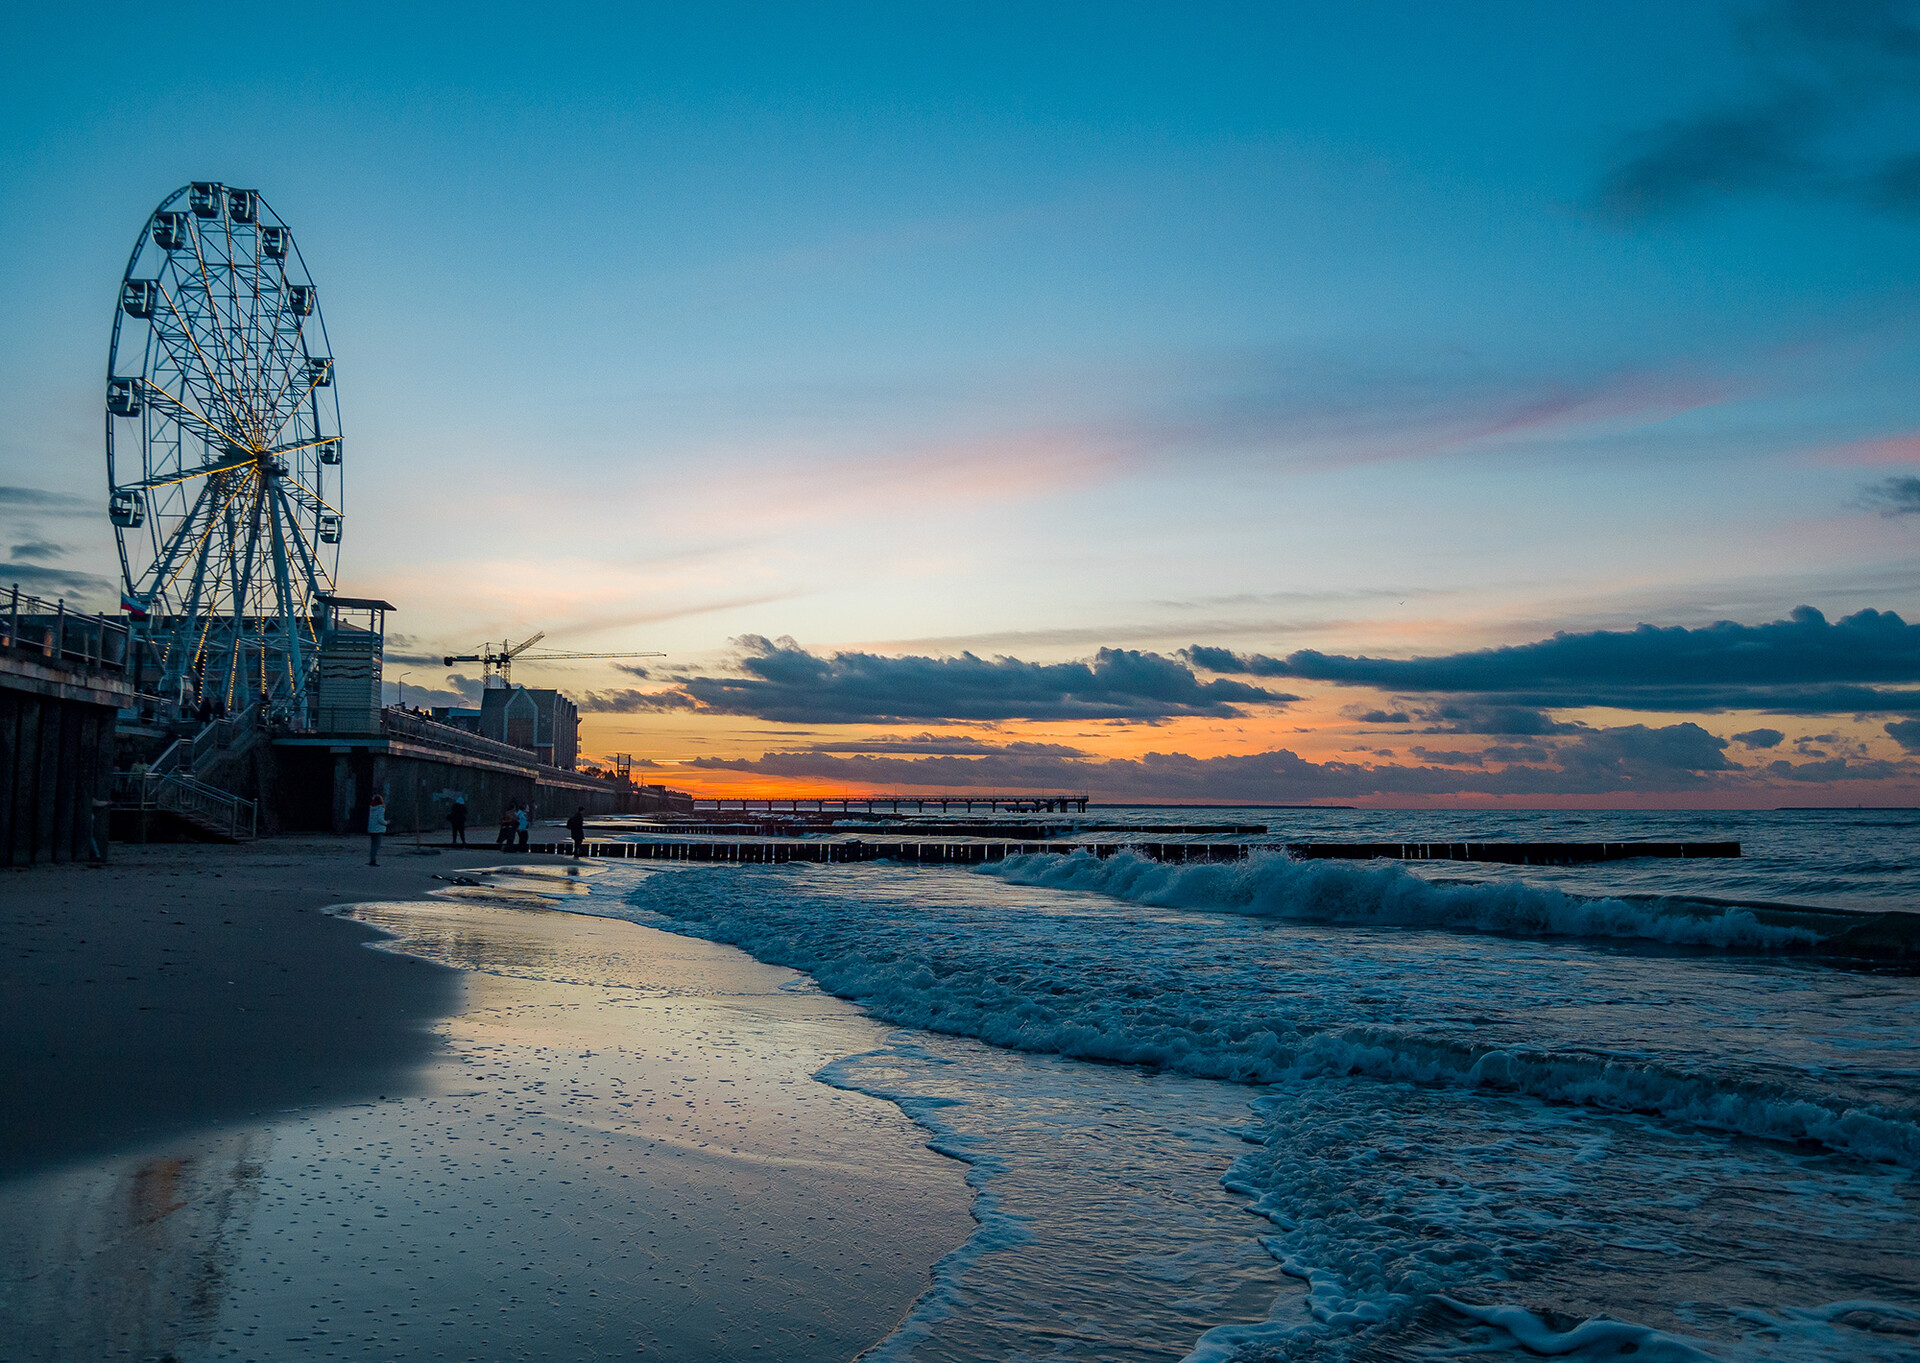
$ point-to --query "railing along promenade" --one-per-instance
(34, 627)
(404, 724)
(431, 733)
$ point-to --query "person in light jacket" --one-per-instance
(376, 828)
(523, 824)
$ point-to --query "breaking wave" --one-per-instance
(1273, 885)
(1121, 992)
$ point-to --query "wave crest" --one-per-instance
(1274, 885)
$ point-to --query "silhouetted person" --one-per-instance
(507, 826)
(376, 828)
(577, 826)
(457, 821)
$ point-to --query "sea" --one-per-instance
(1278, 1109)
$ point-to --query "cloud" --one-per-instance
(1899, 496)
(463, 693)
(1633, 758)
(947, 745)
(1507, 720)
(1801, 665)
(1365, 715)
(1837, 769)
(1825, 79)
(1759, 738)
(1448, 758)
(1893, 449)
(54, 581)
(630, 701)
(38, 550)
(1906, 733)
(633, 670)
(42, 502)
(787, 684)
(1725, 151)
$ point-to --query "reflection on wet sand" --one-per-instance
(621, 1151)
(137, 1251)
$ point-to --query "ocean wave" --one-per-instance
(1274, 885)
(1038, 983)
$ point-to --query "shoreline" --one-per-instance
(189, 984)
(609, 1139)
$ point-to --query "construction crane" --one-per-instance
(498, 662)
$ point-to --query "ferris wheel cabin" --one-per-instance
(300, 299)
(243, 205)
(123, 397)
(273, 242)
(127, 510)
(170, 231)
(319, 372)
(330, 452)
(206, 198)
(137, 296)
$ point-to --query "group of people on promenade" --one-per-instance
(516, 826)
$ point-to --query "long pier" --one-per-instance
(927, 852)
(846, 804)
(929, 828)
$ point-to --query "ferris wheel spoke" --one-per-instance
(219, 331)
(188, 475)
(310, 563)
(206, 366)
(292, 604)
(197, 555)
(163, 568)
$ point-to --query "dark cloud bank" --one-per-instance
(1802, 665)
(1824, 77)
(1634, 758)
(787, 684)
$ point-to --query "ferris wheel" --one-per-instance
(224, 451)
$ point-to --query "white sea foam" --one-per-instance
(1032, 982)
(1274, 885)
(1545, 1114)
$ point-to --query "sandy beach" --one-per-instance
(509, 1132)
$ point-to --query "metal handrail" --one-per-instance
(397, 721)
(196, 752)
(208, 807)
(93, 641)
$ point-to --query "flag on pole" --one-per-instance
(132, 605)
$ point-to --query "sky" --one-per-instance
(1114, 398)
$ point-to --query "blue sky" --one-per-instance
(1379, 330)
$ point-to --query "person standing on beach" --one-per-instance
(376, 828)
(522, 824)
(577, 827)
(507, 826)
(457, 822)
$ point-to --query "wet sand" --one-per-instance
(612, 1146)
(185, 984)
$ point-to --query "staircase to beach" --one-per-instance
(188, 780)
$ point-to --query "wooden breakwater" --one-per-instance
(927, 852)
(1004, 830)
